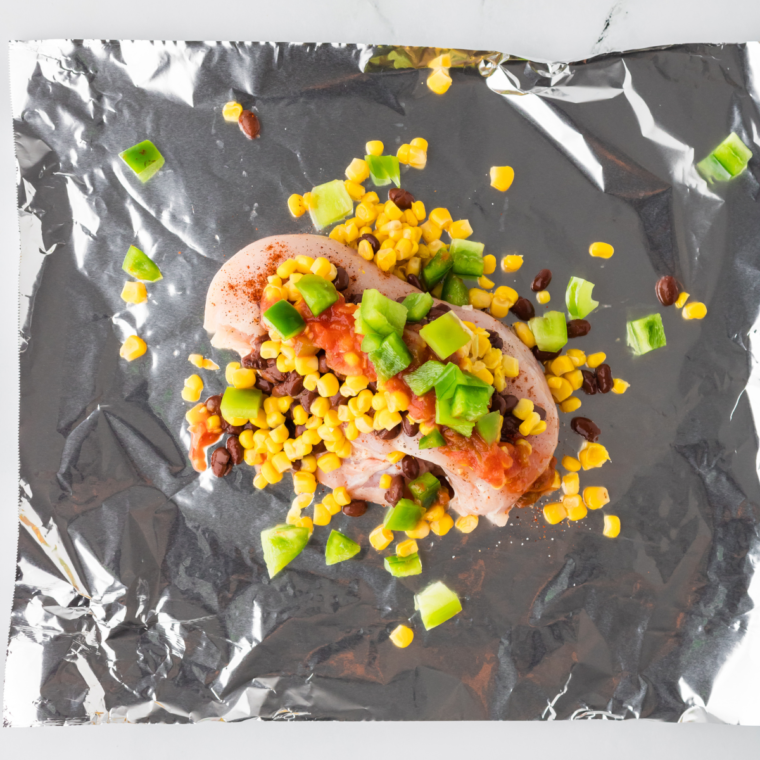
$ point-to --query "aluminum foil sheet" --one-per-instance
(141, 593)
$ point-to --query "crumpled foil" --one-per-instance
(141, 593)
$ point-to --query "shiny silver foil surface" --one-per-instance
(141, 593)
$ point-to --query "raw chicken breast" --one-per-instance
(233, 316)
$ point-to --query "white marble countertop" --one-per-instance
(541, 29)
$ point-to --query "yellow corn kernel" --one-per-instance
(420, 530)
(252, 458)
(571, 404)
(403, 153)
(341, 496)
(398, 401)
(374, 148)
(489, 264)
(575, 378)
(523, 409)
(196, 360)
(419, 142)
(134, 292)
(310, 381)
(576, 509)
(302, 501)
(620, 386)
(321, 267)
(285, 364)
(556, 481)
(380, 538)
(365, 250)
(332, 419)
(270, 349)
(260, 482)
(436, 512)
(484, 374)
(338, 233)
(510, 366)
(309, 465)
(354, 189)
(681, 300)
(296, 205)
(430, 231)
(499, 308)
(385, 481)
(281, 462)
(611, 526)
(403, 249)
(571, 484)
(561, 365)
(593, 455)
(576, 356)
(357, 170)
(328, 462)
(405, 548)
(480, 299)
(524, 333)
(243, 378)
(322, 514)
(571, 464)
(594, 360)
(543, 296)
(530, 422)
(402, 636)
(330, 504)
(466, 523)
(601, 250)
(199, 413)
(418, 209)
(303, 481)
(694, 310)
(417, 157)
(560, 388)
(364, 424)
(246, 439)
(271, 473)
(327, 386)
(133, 348)
(440, 217)
(443, 526)
(193, 388)
(303, 263)
(502, 177)
(279, 434)
(305, 365)
(439, 81)
(555, 512)
(484, 282)
(386, 259)
(351, 432)
(395, 456)
(595, 497)
(511, 263)
(231, 111)
(460, 230)
(270, 405)
(493, 358)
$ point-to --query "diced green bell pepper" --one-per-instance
(371, 342)
(470, 403)
(383, 170)
(424, 377)
(417, 306)
(452, 377)
(425, 488)
(241, 403)
(404, 516)
(468, 258)
(646, 334)
(392, 357)
(381, 314)
(489, 427)
(137, 264)
(437, 268)
(728, 160)
(433, 440)
(454, 290)
(285, 319)
(467, 247)
(329, 204)
(339, 548)
(550, 331)
(444, 416)
(144, 159)
(400, 567)
(578, 298)
(319, 293)
(437, 604)
(282, 544)
(446, 334)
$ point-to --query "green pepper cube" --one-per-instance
(371, 342)
(437, 604)
(144, 159)
(433, 440)
(550, 331)
(319, 293)
(489, 427)
(241, 403)
(404, 516)
(444, 416)
(728, 160)
(425, 488)
(392, 356)
(452, 377)
(282, 544)
(423, 378)
(381, 314)
(646, 334)
(383, 170)
(339, 548)
(470, 403)
(329, 204)
(285, 319)
(417, 306)
(437, 268)
(137, 264)
(467, 256)
(446, 334)
(400, 567)
(578, 298)
(454, 290)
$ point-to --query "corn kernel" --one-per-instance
(483, 374)
(620, 386)
(214, 424)
(436, 512)
(231, 111)
(328, 462)
(271, 473)
(303, 481)
(385, 481)
(554, 513)
(480, 299)
(594, 360)
(601, 250)
(576, 509)
(694, 310)
(511, 263)
(327, 386)
(502, 177)
(577, 357)
(405, 548)
(133, 348)
(386, 259)
(260, 482)
(303, 263)
(443, 526)
(525, 334)
(460, 230)
(199, 413)
(440, 217)
(403, 153)
(430, 231)
(252, 458)
(357, 170)
(543, 297)
(341, 496)
(243, 378)
(466, 523)
(403, 249)
(380, 538)
(338, 233)
(420, 530)
(595, 497)
(402, 636)
(417, 157)
(281, 462)
(575, 378)
(484, 282)
(332, 419)
(395, 456)
(374, 148)
(523, 409)
(510, 366)
(530, 422)
(499, 308)
(681, 300)
(560, 388)
(193, 388)
(270, 349)
(134, 292)
(571, 484)
(561, 365)
(593, 455)
(322, 515)
(611, 526)
(364, 424)
(296, 205)
(365, 250)
(309, 465)
(571, 464)
(439, 81)
(571, 404)
(493, 358)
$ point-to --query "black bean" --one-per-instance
(254, 360)
(355, 508)
(577, 328)
(541, 412)
(604, 378)
(498, 404)
(355, 298)
(415, 282)
(307, 399)
(495, 339)
(373, 387)
(231, 429)
(667, 290)
(586, 428)
(389, 435)
(296, 465)
(372, 240)
(541, 280)
(544, 356)
(338, 400)
(221, 462)
(523, 309)
(291, 386)
(410, 466)
(249, 124)
(264, 385)
(273, 373)
(510, 429)
(410, 428)
(510, 401)
(236, 449)
(323, 368)
(319, 448)
(341, 279)
(213, 403)
(402, 198)
(589, 382)
(300, 430)
(438, 310)
(396, 491)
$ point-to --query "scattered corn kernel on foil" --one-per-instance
(142, 591)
